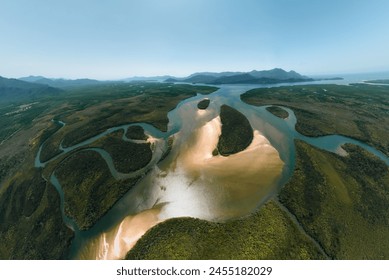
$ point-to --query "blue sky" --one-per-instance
(122, 38)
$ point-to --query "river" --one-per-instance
(190, 182)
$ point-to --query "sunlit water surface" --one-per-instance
(190, 181)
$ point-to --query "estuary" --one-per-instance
(191, 181)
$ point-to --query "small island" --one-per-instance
(237, 132)
(203, 104)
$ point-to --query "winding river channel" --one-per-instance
(190, 181)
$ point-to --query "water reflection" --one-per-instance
(192, 182)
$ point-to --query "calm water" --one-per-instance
(203, 188)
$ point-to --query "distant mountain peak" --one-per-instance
(31, 78)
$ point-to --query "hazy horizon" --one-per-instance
(373, 74)
(121, 39)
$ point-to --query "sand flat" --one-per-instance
(194, 183)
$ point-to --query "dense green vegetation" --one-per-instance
(8, 165)
(342, 202)
(89, 188)
(126, 156)
(203, 104)
(136, 132)
(237, 132)
(51, 143)
(278, 112)
(16, 117)
(31, 224)
(88, 111)
(126, 103)
(358, 111)
(266, 234)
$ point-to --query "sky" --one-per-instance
(122, 38)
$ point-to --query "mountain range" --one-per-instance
(273, 76)
(15, 89)
(60, 83)
(12, 90)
